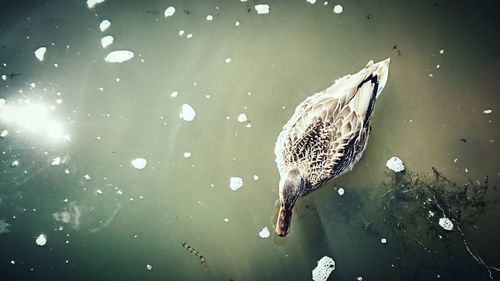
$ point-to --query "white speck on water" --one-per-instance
(383, 240)
(262, 9)
(92, 3)
(325, 3)
(311, 1)
(228, 60)
(181, 32)
(174, 94)
(119, 56)
(359, 278)
(66, 172)
(4, 77)
(466, 170)
(441, 51)
(210, 18)
(324, 268)
(431, 214)
(237, 23)
(431, 75)
(438, 66)
(187, 112)
(242, 118)
(395, 164)
(487, 111)
(106, 41)
(187, 154)
(105, 24)
(226, 220)
(341, 191)
(255, 177)
(86, 177)
(119, 192)
(139, 163)
(338, 9)
(40, 53)
(15, 163)
(170, 11)
(149, 267)
(12, 262)
(264, 233)
(189, 36)
(4, 133)
(41, 240)
(56, 161)
(58, 101)
(446, 223)
(235, 183)
(99, 191)
(455, 160)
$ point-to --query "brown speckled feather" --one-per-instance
(328, 132)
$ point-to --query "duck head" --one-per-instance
(290, 190)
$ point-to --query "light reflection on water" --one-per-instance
(114, 113)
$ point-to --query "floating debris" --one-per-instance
(262, 9)
(210, 18)
(170, 11)
(242, 118)
(187, 112)
(264, 233)
(324, 268)
(338, 9)
(14, 163)
(255, 177)
(174, 94)
(139, 163)
(119, 56)
(226, 220)
(237, 23)
(311, 1)
(194, 252)
(235, 183)
(187, 154)
(41, 240)
(487, 111)
(228, 60)
(106, 41)
(441, 51)
(149, 267)
(92, 3)
(87, 177)
(105, 24)
(341, 191)
(99, 191)
(383, 240)
(446, 223)
(40, 53)
(395, 164)
(4, 133)
(359, 278)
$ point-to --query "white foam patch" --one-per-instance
(338, 9)
(242, 118)
(210, 18)
(395, 164)
(170, 11)
(119, 56)
(149, 267)
(341, 191)
(174, 94)
(324, 268)
(4, 133)
(235, 183)
(487, 111)
(228, 60)
(40, 53)
(139, 163)
(56, 161)
(264, 233)
(446, 223)
(262, 9)
(4, 77)
(106, 41)
(41, 240)
(105, 24)
(187, 112)
(383, 240)
(187, 154)
(92, 3)
(311, 1)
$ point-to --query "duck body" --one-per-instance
(326, 136)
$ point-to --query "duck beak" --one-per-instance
(284, 221)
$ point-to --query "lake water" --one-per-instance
(72, 123)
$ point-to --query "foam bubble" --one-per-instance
(119, 56)
(139, 163)
(262, 9)
(235, 183)
(41, 240)
(395, 164)
(324, 268)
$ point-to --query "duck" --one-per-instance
(326, 136)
